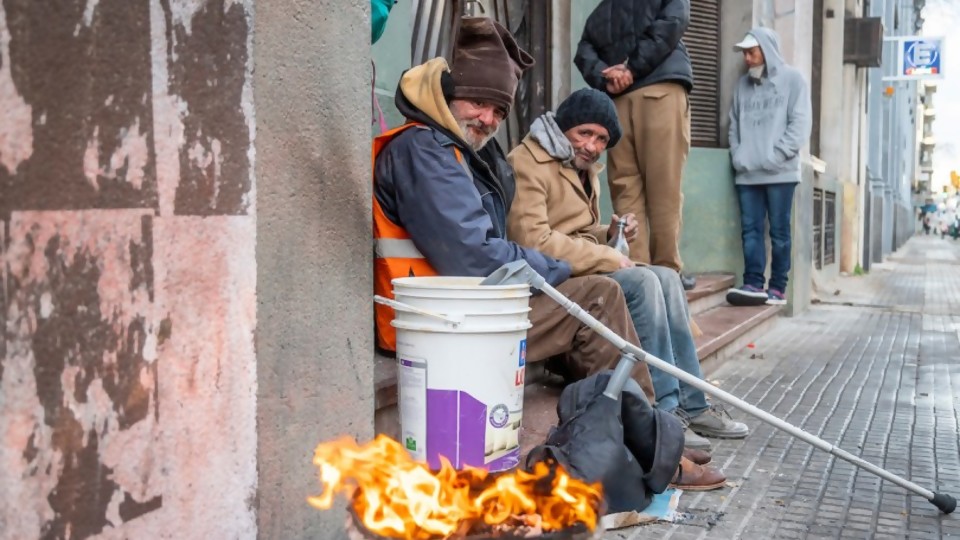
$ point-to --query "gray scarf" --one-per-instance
(545, 131)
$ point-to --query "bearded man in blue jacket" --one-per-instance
(770, 122)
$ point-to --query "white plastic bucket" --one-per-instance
(461, 374)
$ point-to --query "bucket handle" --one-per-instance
(455, 320)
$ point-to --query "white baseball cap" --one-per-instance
(748, 42)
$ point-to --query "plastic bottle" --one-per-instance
(619, 240)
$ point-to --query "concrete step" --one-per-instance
(710, 292)
(728, 329)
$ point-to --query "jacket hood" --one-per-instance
(420, 96)
(770, 45)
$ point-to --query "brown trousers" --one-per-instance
(646, 168)
(556, 332)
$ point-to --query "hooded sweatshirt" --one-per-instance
(770, 119)
(456, 220)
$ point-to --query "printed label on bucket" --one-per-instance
(412, 383)
(502, 438)
(523, 353)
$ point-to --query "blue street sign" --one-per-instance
(921, 57)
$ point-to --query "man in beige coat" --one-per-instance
(556, 210)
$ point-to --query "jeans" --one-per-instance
(757, 204)
(658, 306)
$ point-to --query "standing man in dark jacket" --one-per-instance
(442, 190)
(632, 50)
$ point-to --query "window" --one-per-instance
(703, 44)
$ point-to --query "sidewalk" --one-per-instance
(874, 368)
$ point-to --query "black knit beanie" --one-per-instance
(589, 106)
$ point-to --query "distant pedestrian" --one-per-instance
(770, 122)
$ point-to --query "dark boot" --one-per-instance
(699, 457)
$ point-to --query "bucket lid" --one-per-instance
(454, 283)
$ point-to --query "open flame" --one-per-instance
(397, 497)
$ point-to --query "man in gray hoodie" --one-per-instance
(770, 123)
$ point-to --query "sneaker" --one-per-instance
(689, 282)
(693, 441)
(748, 295)
(690, 439)
(776, 298)
(693, 477)
(716, 422)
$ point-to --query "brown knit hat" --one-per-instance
(487, 62)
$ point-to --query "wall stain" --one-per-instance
(31, 451)
(84, 89)
(76, 334)
(141, 259)
(131, 509)
(4, 246)
(84, 489)
(208, 67)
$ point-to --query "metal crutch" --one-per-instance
(521, 272)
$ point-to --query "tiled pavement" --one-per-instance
(874, 368)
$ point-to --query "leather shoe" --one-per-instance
(693, 477)
(699, 457)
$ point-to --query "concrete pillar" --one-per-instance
(314, 337)
(834, 90)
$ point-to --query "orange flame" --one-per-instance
(397, 497)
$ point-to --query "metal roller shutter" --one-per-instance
(703, 43)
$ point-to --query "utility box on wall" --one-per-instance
(863, 41)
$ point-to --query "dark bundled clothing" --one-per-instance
(633, 456)
(646, 34)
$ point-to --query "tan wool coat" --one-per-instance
(552, 213)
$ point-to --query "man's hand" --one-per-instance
(629, 231)
(619, 78)
(626, 263)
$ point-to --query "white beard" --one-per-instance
(756, 72)
(472, 139)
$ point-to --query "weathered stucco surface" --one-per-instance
(314, 348)
(128, 284)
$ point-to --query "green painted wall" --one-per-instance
(579, 11)
(391, 54)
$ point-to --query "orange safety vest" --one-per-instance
(394, 254)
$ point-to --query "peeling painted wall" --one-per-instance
(128, 284)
